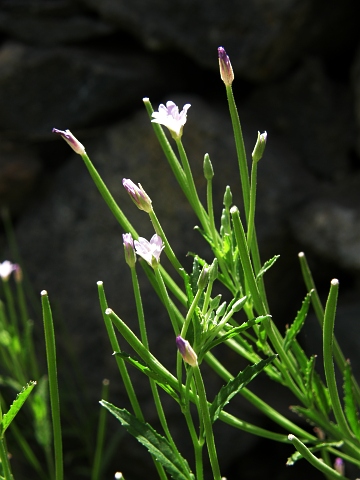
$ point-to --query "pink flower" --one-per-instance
(186, 351)
(150, 251)
(6, 268)
(137, 195)
(170, 117)
(71, 140)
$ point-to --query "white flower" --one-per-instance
(170, 117)
(149, 251)
(6, 268)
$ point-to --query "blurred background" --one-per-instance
(86, 65)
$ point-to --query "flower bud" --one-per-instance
(226, 71)
(339, 466)
(259, 147)
(71, 140)
(186, 351)
(6, 268)
(208, 168)
(130, 255)
(227, 197)
(203, 278)
(138, 195)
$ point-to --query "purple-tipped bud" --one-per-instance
(138, 195)
(226, 71)
(18, 274)
(71, 140)
(6, 268)
(130, 255)
(339, 466)
(259, 147)
(186, 351)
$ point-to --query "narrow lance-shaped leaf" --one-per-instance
(15, 406)
(227, 392)
(297, 323)
(268, 264)
(349, 401)
(157, 445)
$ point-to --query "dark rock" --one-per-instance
(45, 87)
(50, 22)
(264, 39)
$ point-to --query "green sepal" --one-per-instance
(19, 401)
(159, 379)
(297, 324)
(158, 446)
(350, 408)
(228, 391)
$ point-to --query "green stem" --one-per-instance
(122, 367)
(53, 384)
(328, 339)
(166, 301)
(96, 470)
(314, 461)
(252, 204)
(109, 200)
(5, 461)
(205, 415)
(194, 198)
(168, 250)
(240, 150)
(319, 311)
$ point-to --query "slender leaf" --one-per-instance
(157, 445)
(349, 401)
(227, 392)
(268, 264)
(297, 323)
(140, 365)
(15, 407)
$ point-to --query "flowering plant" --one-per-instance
(201, 321)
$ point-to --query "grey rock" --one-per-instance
(50, 22)
(264, 38)
(45, 87)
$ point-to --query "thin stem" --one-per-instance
(53, 384)
(205, 415)
(166, 300)
(314, 461)
(109, 199)
(168, 250)
(5, 461)
(319, 311)
(194, 198)
(328, 339)
(251, 219)
(96, 470)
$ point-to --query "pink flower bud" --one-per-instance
(186, 351)
(71, 140)
(226, 71)
(138, 195)
(130, 256)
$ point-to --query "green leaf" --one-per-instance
(158, 446)
(159, 379)
(236, 330)
(15, 407)
(297, 323)
(266, 267)
(349, 401)
(227, 392)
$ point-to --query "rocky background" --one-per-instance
(86, 65)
